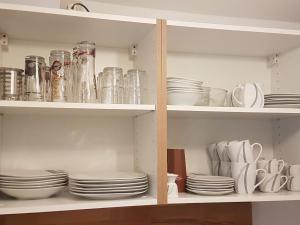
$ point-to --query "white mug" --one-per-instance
(225, 169)
(215, 167)
(271, 166)
(272, 182)
(293, 183)
(248, 95)
(222, 149)
(293, 170)
(213, 154)
(243, 151)
(244, 175)
(172, 186)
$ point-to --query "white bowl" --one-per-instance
(188, 98)
(217, 97)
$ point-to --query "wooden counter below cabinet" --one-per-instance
(185, 214)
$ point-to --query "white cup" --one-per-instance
(172, 186)
(215, 167)
(271, 166)
(293, 170)
(293, 183)
(248, 95)
(272, 182)
(222, 149)
(243, 151)
(212, 151)
(225, 169)
(244, 175)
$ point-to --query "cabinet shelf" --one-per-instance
(68, 26)
(84, 109)
(230, 112)
(67, 202)
(255, 197)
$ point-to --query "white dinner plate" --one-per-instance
(106, 185)
(30, 173)
(100, 191)
(28, 183)
(211, 193)
(212, 190)
(295, 106)
(32, 193)
(33, 186)
(199, 177)
(210, 186)
(108, 196)
(109, 188)
(109, 176)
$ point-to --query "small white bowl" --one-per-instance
(188, 98)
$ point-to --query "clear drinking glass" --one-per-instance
(11, 83)
(112, 86)
(35, 78)
(136, 82)
(61, 77)
(86, 85)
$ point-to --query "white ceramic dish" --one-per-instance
(32, 193)
(106, 185)
(108, 196)
(209, 178)
(210, 193)
(188, 98)
(29, 183)
(112, 176)
(295, 106)
(100, 191)
(33, 186)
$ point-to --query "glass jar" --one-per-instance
(35, 77)
(86, 85)
(61, 79)
(136, 86)
(11, 83)
(112, 85)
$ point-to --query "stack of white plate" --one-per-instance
(32, 184)
(282, 101)
(108, 185)
(182, 91)
(210, 185)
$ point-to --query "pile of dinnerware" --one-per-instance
(209, 185)
(282, 101)
(32, 184)
(182, 91)
(110, 185)
(248, 95)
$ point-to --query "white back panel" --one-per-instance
(69, 143)
(220, 71)
(194, 135)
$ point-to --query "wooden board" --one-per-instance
(190, 214)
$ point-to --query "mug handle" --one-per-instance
(280, 165)
(260, 150)
(262, 180)
(234, 97)
(284, 183)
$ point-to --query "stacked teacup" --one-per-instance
(272, 181)
(293, 173)
(243, 165)
(215, 159)
(225, 165)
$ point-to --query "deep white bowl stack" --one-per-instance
(110, 185)
(182, 91)
(32, 184)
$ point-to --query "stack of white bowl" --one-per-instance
(182, 91)
(32, 184)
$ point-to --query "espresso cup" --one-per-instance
(271, 166)
(243, 151)
(222, 149)
(248, 95)
(293, 170)
(225, 169)
(244, 175)
(272, 183)
(293, 183)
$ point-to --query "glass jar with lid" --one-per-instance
(61, 79)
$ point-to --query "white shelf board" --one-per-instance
(207, 112)
(84, 109)
(255, 197)
(68, 26)
(223, 39)
(66, 202)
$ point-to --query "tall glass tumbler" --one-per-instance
(112, 85)
(136, 86)
(86, 85)
(35, 77)
(61, 78)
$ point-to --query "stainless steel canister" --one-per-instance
(11, 83)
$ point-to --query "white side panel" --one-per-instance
(67, 142)
(18, 49)
(146, 59)
(220, 71)
(145, 149)
(194, 135)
